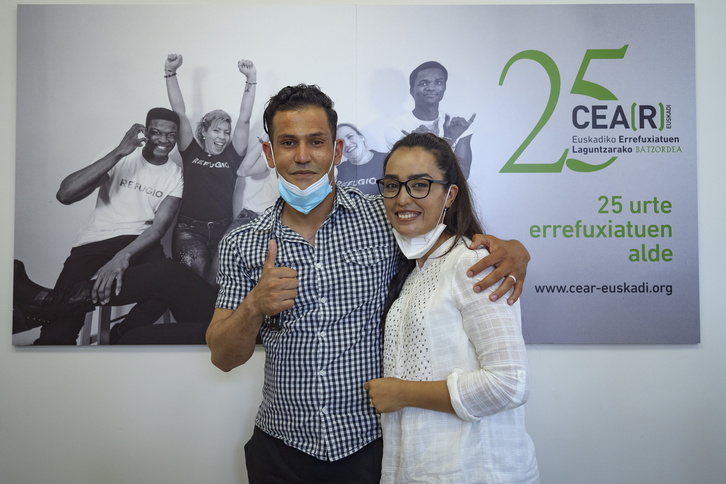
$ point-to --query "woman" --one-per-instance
(454, 363)
(363, 165)
(211, 163)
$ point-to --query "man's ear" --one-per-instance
(338, 151)
(267, 149)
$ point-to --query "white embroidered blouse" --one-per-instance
(440, 329)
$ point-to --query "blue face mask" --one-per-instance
(304, 200)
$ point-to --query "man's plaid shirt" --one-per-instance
(329, 343)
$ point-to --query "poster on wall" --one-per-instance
(575, 125)
(582, 146)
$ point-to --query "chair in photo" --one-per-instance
(101, 319)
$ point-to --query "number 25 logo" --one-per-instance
(580, 86)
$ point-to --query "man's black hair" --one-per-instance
(293, 98)
(426, 65)
(162, 113)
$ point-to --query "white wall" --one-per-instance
(598, 414)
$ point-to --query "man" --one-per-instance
(427, 85)
(311, 276)
(139, 194)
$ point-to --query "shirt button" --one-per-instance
(321, 373)
(323, 300)
(324, 410)
(321, 334)
(319, 266)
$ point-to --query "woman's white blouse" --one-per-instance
(440, 329)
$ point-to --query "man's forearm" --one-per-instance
(80, 184)
(153, 234)
(148, 238)
(231, 335)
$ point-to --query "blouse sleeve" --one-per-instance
(494, 329)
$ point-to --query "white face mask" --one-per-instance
(303, 200)
(416, 247)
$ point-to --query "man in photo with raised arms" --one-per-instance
(311, 276)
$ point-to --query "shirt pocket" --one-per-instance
(369, 256)
(367, 272)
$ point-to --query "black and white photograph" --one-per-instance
(129, 131)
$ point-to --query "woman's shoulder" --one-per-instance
(190, 151)
(462, 252)
(460, 258)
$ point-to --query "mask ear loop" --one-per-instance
(332, 162)
(274, 163)
(443, 212)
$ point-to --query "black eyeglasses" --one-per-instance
(416, 187)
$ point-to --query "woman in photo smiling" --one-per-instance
(212, 159)
(454, 363)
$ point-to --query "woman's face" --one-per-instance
(217, 137)
(416, 216)
(355, 144)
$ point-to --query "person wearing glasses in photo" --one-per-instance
(310, 276)
(455, 372)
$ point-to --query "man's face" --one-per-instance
(303, 146)
(429, 87)
(161, 137)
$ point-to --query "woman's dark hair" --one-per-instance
(460, 219)
(293, 98)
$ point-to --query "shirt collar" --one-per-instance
(273, 221)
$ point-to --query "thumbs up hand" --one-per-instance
(276, 290)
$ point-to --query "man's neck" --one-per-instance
(154, 160)
(307, 224)
(426, 113)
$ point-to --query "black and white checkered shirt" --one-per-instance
(329, 343)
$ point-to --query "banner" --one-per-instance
(576, 129)
(583, 148)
